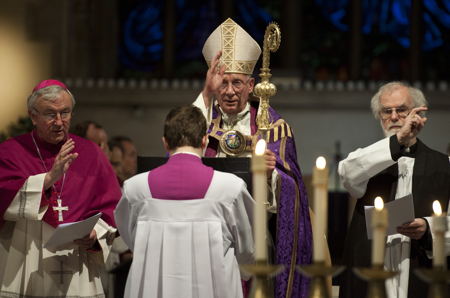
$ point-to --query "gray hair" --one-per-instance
(49, 93)
(417, 96)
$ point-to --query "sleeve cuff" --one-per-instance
(395, 147)
(426, 242)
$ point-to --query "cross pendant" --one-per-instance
(60, 209)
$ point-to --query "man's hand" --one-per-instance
(87, 241)
(271, 160)
(214, 78)
(414, 229)
(413, 124)
(61, 163)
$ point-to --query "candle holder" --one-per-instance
(318, 272)
(376, 277)
(438, 278)
(262, 272)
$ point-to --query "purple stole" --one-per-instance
(293, 245)
(183, 177)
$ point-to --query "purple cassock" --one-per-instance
(90, 185)
(183, 177)
(293, 245)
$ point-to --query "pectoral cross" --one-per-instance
(60, 209)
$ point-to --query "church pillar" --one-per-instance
(291, 31)
(226, 10)
(169, 38)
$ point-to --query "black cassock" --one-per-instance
(430, 181)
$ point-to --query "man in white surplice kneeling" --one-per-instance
(188, 225)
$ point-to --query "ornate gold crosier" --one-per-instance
(265, 89)
(262, 270)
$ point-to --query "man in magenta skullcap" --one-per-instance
(187, 224)
(49, 177)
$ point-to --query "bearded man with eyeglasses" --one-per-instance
(230, 109)
(49, 177)
(392, 168)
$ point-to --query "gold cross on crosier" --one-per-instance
(60, 209)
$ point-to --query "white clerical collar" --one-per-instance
(186, 152)
(231, 120)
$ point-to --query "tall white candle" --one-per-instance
(439, 229)
(379, 225)
(320, 183)
(259, 170)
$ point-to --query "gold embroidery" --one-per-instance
(283, 153)
(295, 246)
(289, 133)
(275, 134)
(228, 37)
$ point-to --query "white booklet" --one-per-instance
(400, 211)
(68, 232)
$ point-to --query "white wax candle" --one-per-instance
(320, 183)
(439, 229)
(379, 225)
(259, 170)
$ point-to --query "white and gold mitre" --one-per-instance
(240, 51)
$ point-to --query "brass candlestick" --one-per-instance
(262, 272)
(438, 278)
(265, 89)
(376, 277)
(318, 272)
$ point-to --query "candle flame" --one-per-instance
(437, 208)
(260, 147)
(321, 162)
(379, 204)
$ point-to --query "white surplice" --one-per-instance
(27, 269)
(356, 171)
(187, 248)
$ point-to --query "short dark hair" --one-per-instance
(117, 141)
(184, 126)
(81, 128)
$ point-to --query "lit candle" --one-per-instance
(320, 183)
(259, 170)
(439, 229)
(379, 225)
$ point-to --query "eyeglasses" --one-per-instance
(401, 111)
(52, 116)
(236, 84)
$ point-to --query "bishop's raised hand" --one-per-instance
(61, 163)
(214, 78)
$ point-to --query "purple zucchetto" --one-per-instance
(47, 83)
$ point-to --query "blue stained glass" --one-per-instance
(336, 19)
(441, 15)
(142, 40)
(253, 18)
(142, 37)
(432, 37)
(195, 21)
(393, 17)
(401, 11)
